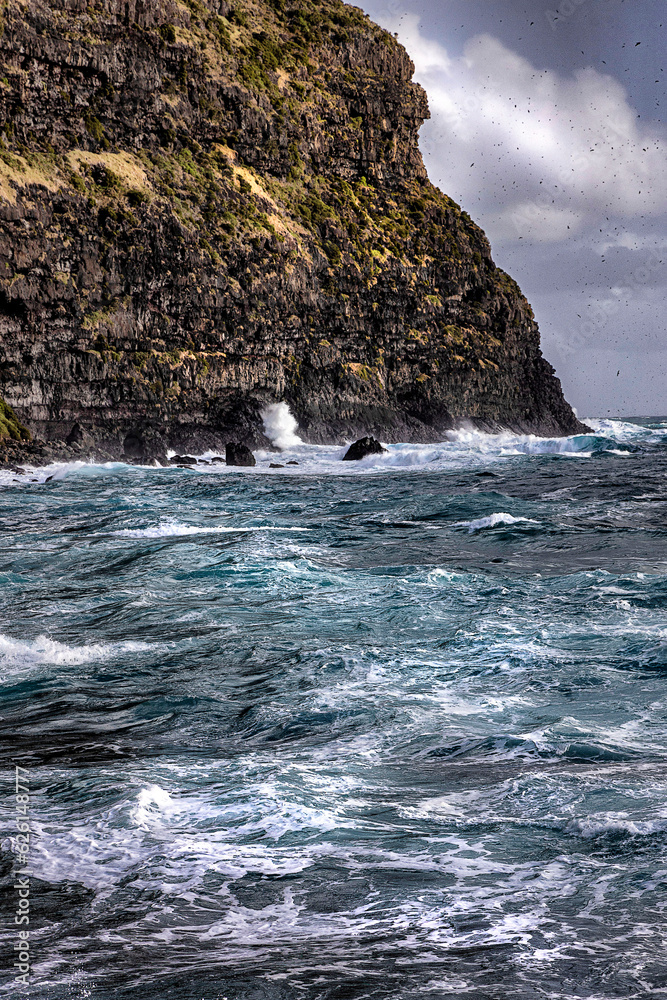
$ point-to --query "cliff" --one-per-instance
(206, 206)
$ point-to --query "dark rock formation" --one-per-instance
(360, 449)
(143, 445)
(78, 437)
(207, 207)
(239, 454)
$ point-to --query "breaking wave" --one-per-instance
(175, 529)
(494, 520)
(280, 426)
(463, 448)
(25, 653)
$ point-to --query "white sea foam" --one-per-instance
(280, 426)
(507, 443)
(170, 529)
(26, 653)
(463, 448)
(182, 845)
(197, 834)
(266, 810)
(58, 471)
(154, 805)
(493, 521)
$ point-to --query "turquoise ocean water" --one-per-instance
(395, 730)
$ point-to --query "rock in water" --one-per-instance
(238, 454)
(361, 448)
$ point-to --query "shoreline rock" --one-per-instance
(239, 454)
(363, 447)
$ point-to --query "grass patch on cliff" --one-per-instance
(128, 169)
(364, 373)
(10, 425)
(93, 320)
(20, 172)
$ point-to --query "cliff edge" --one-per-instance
(206, 207)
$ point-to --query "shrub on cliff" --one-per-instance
(10, 426)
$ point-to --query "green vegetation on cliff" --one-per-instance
(10, 426)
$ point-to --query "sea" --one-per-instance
(339, 731)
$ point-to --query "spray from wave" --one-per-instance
(280, 426)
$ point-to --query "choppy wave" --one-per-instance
(494, 520)
(44, 650)
(603, 824)
(395, 729)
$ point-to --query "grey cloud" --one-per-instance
(597, 274)
(570, 171)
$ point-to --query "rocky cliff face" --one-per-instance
(206, 207)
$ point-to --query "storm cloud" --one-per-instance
(546, 127)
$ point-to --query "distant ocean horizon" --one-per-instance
(386, 729)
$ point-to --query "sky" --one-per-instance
(549, 126)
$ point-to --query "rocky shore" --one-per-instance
(209, 207)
